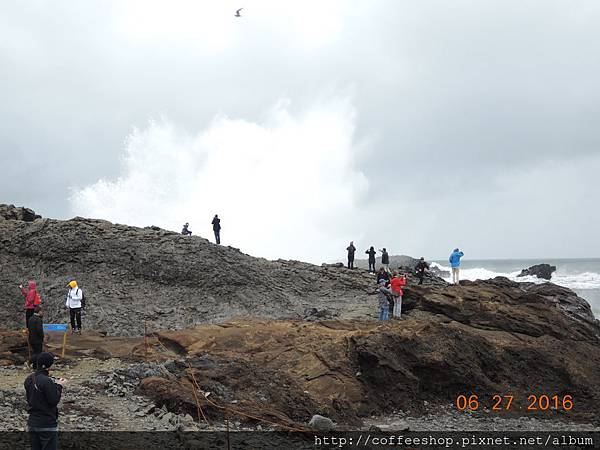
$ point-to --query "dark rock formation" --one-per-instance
(13, 347)
(488, 337)
(539, 270)
(485, 338)
(134, 274)
(11, 212)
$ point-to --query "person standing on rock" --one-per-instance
(73, 303)
(420, 269)
(385, 259)
(454, 260)
(351, 250)
(384, 304)
(43, 395)
(371, 252)
(32, 298)
(216, 223)
(185, 230)
(35, 326)
(396, 283)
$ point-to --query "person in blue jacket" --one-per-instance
(455, 264)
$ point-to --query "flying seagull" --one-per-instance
(237, 13)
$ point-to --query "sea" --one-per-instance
(580, 275)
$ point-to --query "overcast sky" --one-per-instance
(416, 125)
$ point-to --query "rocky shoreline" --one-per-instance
(178, 328)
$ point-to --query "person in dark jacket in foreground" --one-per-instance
(35, 326)
(43, 395)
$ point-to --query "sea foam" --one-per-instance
(584, 280)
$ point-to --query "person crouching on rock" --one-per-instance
(32, 299)
(396, 283)
(384, 304)
(36, 334)
(74, 297)
(43, 396)
(185, 230)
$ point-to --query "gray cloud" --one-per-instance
(480, 117)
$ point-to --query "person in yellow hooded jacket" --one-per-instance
(73, 303)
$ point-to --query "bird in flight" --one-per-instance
(237, 13)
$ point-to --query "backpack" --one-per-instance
(82, 299)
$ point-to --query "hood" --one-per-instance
(32, 286)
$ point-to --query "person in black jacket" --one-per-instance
(371, 252)
(351, 249)
(385, 260)
(185, 230)
(420, 268)
(43, 395)
(216, 223)
(35, 326)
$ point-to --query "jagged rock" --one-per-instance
(321, 423)
(543, 271)
(11, 212)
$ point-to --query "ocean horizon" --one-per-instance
(582, 275)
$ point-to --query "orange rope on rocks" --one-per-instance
(199, 410)
(196, 396)
(227, 408)
(249, 416)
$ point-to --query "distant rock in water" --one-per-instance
(539, 270)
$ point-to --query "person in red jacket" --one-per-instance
(32, 299)
(397, 282)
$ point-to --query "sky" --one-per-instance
(415, 126)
